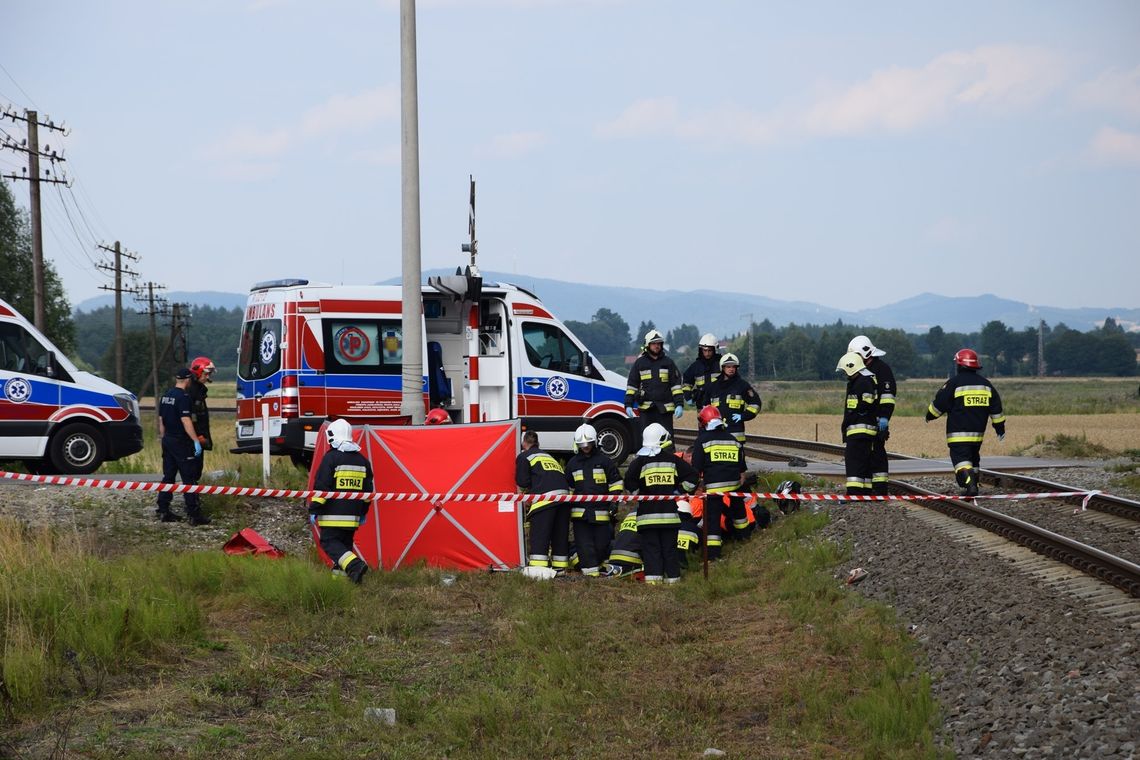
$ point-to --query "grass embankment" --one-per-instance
(214, 655)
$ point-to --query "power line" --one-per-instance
(18, 87)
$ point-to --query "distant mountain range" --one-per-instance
(729, 313)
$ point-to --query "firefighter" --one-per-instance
(181, 450)
(733, 396)
(540, 473)
(591, 472)
(885, 380)
(343, 468)
(691, 512)
(625, 555)
(718, 459)
(701, 371)
(968, 400)
(658, 471)
(202, 374)
(437, 416)
(860, 422)
(654, 386)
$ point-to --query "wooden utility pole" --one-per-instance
(1041, 348)
(118, 269)
(31, 118)
(155, 306)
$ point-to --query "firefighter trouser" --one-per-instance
(736, 517)
(880, 471)
(649, 416)
(550, 536)
(857, 464)
(178, 460)
(593, 542)
(966, 457)
(659, 552)
(337, 544)
(714, 538)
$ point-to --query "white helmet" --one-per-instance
(654, 435)
(708, 339)
(863, 346)
(654, 337)
(729, 359)
(338, 432)
(851, 363)
(585, 434)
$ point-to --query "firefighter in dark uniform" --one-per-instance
(181, 450)
(733, 396)
(885, 380)
(658, 471)
(718, 459)
(654, 386)
(539, 473)
(591, 472)
(694, 382)
(625, 555)
(968, 400)
(860, 422)
(342, 468)
(201, 374)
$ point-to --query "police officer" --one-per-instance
(343, 468)
(658, 471)
(654, 386)
(733, 396)
(885, 380)
(201, 374)
(860, 422)
(539, 472)
(180, 450)
(701, 371)
(591, 472)
(968, 400)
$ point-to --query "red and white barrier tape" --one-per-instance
(286, 493)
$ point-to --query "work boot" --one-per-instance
(972, 487)
(168, 516)
(356, 570)
(198, 518)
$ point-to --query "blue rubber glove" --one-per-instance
(735, 418)
(197, 448)
(883, 422)
(629, 412)
(678, 412)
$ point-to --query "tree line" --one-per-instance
(809, 352)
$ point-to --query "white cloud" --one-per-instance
(245, 145)
(1115, 147)
(516, 144)
(896, 99)
(1113, 90)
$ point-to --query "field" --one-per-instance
(127, 637)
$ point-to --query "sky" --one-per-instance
(848, 154)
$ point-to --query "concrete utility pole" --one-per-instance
(1041, 348)
(751, 349)
(412, 397)
(155, 306)
(119, 270)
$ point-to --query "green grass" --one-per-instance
(205, 654)
(1067, 446)
(1019, 395)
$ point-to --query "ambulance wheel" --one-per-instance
(76, 450)
(613, 439)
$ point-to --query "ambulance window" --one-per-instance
(548, 347)
(21, 352)
(259, 354)
(364, 346)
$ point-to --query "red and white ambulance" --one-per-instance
(55, 417)
(311, 352)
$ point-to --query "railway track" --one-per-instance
(1117, 571)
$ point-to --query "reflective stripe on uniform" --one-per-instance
(964, 436)
(338, 521)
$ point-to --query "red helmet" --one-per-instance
(707, 415)
(967, 358)
(201, 368)
(437, 417)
